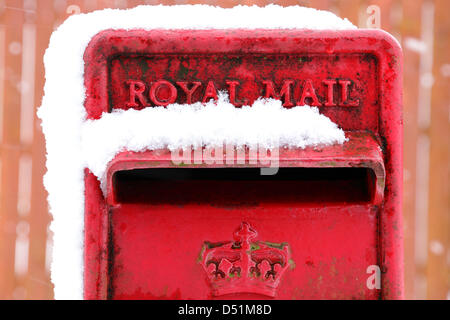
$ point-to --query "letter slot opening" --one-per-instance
(244, 186)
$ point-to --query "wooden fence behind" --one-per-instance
(421, 26)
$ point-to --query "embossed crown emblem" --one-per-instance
(245, 265)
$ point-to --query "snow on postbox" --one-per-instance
(325, 224)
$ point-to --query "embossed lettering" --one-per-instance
(137, 89)
(189, 92)
(285, 91)
(210, 92)
(309, 92)
(344, 94)
(163, 93)
(232, 84)
(330, 92)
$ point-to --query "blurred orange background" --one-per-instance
(421, 26)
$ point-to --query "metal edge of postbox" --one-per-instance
(384, 47)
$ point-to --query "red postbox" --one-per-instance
(326, 226)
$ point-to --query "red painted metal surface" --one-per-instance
(165, 231)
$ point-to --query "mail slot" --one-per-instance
(327, 225)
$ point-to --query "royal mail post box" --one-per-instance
(327, 225)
